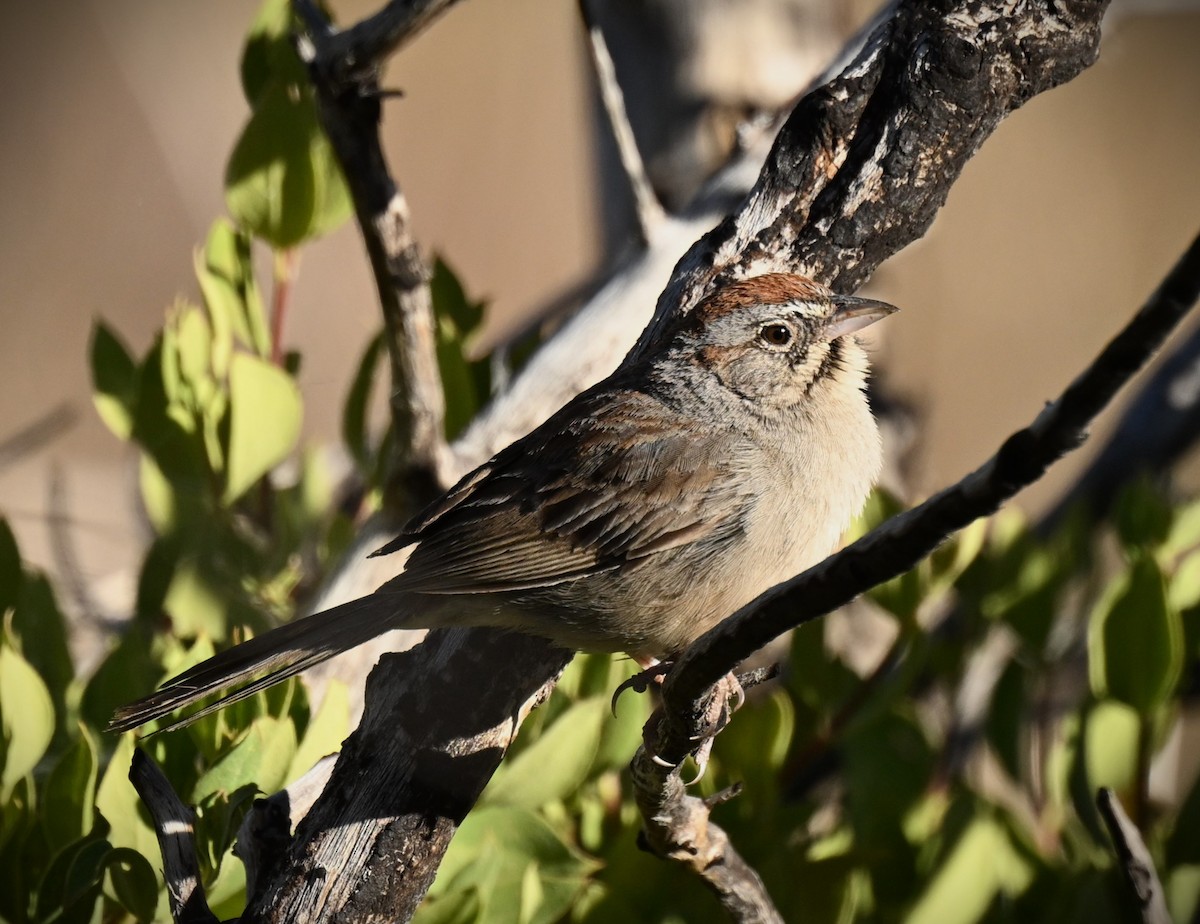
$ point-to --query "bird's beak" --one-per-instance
(852, 314)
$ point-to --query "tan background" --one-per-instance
(118, 116)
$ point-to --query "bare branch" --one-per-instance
(864, 163)
(677, 827)
(649, 211)
(175, 828)
(1160, 424)
(348, 101)
(1136, 863)
(32, 437)
(358, 50)
(901, 542)
(437, 723)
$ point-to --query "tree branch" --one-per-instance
(857, 172)
(649, 210)
(345, 78)
(900, 543)
(864, 163)
(175, 828)
(1137, 866)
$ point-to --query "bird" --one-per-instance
(726, 457)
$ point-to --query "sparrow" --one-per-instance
(728, 457)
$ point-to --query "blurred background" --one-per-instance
(120, 115)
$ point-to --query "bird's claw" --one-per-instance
(641, 681)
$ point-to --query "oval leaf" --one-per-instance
(265, 414)
(26, 717)
(1135, 639)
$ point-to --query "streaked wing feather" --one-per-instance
(599, 497)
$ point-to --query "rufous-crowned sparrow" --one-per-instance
(647, 509)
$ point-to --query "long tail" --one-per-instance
(280, 653)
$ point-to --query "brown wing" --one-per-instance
(573, 498)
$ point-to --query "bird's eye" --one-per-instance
(777, 335)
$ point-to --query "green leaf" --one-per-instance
(491, 855)
(1184, 590)
(72, 878)
(118, 802)
(41, 630)
(225, 272)
(282, 182)
(878, 800)
(195, 606)
(358, 400)
(114, 381)
(1142, 515)
(262, 758)
(1182, 886)
(982, 866)
(1184, 535)
(1006, 719)
(128, 672)
(466, 383)
(133, 881)
(1135, 639)
(326, 731)
(269, 53)
(70, 793)
(265, 415)
(1111, 734)
(26, 717)
(556, 764)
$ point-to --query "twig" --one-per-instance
(677, 827)
(358, 50)
(29, 439)
(174, 826)
(1160, 424)
(897, 545)
(1136, 862)
(347, 91)
(283, 279)
(649, 211)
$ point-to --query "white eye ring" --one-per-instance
(776, 334)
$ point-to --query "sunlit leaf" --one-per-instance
(556, 764)
(1111, 738)
(118, 802)
(265, 415)
(26, 717)
(282, 182)
(982, 866)
(262, 758)
(325, 732)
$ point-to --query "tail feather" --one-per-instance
(282, 653)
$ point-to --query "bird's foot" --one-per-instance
(727, 699)
(653, 671)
